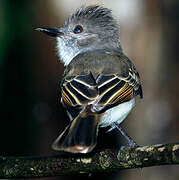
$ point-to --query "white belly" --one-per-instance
(117, 114)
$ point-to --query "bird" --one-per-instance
(100, 83)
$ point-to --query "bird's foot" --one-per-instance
(131, 144)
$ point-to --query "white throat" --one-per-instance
(66, 52)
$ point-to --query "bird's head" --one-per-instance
(89, 28)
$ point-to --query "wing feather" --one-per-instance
(77, 90)
(104, 91)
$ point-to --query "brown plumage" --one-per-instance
(89, 94)
(100, 83)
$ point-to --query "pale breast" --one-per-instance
(117, 114)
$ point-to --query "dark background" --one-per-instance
(30, 111)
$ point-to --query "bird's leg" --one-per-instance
(131, 142)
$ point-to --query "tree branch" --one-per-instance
(102, 161)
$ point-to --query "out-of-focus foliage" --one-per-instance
(16, 85)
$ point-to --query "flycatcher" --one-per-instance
(100, 83)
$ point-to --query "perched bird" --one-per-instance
(100, 83)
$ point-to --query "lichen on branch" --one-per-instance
(101, 161)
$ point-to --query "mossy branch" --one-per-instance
(102, 161)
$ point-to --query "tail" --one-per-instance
(81, 135)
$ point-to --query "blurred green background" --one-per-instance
(31, 114)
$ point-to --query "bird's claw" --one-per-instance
(131, 144)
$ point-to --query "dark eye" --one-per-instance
(78, 29)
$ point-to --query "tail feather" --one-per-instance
(80, 136)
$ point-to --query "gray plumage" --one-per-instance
(100, 31)
(97, 19)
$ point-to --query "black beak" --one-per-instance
(53, 32)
